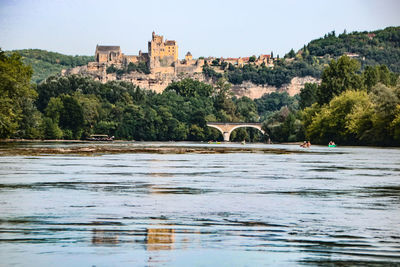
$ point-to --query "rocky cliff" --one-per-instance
(159, 81)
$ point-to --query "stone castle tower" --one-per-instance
(162, 53)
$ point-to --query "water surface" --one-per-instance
(329, 205)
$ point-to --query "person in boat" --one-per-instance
(304, 144)
(308, 144)
(331, 143)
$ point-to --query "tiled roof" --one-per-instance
(108, 48)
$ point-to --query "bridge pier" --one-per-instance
(226, 136)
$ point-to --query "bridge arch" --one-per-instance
(227, 128)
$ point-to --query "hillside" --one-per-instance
(370, 48)
(45, 63)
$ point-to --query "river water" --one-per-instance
(326, 206)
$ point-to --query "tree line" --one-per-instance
(350, 106)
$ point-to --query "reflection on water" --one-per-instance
(104, 237)
(160, 239)
(338, 206)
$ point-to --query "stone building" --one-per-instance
(188, 57)
(108, 54)
(160, 49)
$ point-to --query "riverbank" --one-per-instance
(124, 147)
(115, 149)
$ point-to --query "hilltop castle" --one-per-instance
(160, 66)
(162, 57)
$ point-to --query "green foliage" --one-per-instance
(140, 67)
(277, 76)
(18, 115)
(283, 126)
(350, 106)
(246, 109)
(211, 73)
(291, 54)
(373, 48)
(71, 116)
(190, 88)
(118, 108)
(270, 103)
(51, 129)
(308, 95)
(45, 63)
(339, 76)
(356, 117)
(330, 121)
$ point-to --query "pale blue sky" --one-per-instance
(227, 28)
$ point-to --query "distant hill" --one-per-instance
(371, 48)
(45, 63)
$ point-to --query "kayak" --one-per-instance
(331, 145)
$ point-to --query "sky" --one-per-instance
(219, 28)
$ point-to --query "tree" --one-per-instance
(223, 101)
(71, 117)
(308, 95)
(333, 121)
(16, 94)
(190, 88)
(339, 76)
(246, 110)
(291, 54)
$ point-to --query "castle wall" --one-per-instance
(188, 68)
(130, 59)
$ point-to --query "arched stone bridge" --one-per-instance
(226, 128)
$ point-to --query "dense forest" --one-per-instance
(350, 106)
(356, 103)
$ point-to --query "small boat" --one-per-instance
(331, 145)
(212, 142)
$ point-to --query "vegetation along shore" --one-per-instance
(356, 100)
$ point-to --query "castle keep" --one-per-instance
(160, 49)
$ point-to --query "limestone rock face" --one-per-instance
(297, 84)
(158, 81)
(254, 91)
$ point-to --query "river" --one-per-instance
(304, 207)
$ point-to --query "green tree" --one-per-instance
(291, 54)
(339, 76)
(71, 117)
(223, 102)
(190, 88)
(308, 95)
(16, 95)
(332, 121)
